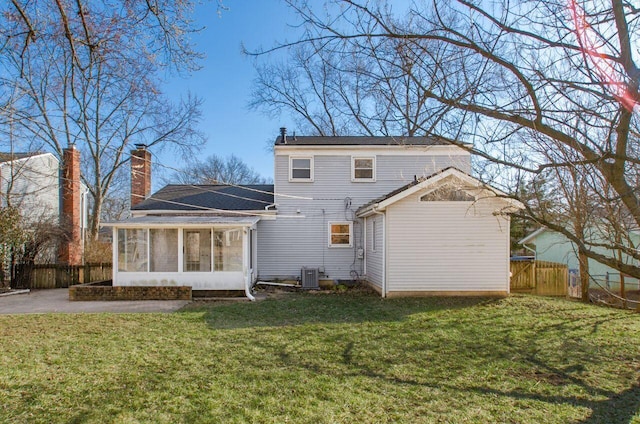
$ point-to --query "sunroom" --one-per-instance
(202, 252)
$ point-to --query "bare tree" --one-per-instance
(89, 73)
(217, 170)
(539, 88)
(340, 91)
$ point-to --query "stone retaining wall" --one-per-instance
(101, 292)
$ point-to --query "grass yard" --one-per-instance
(327, 358)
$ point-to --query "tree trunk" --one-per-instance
(94, 224)
(584, 275)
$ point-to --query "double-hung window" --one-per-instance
(363, 169)
(341, 234)
(300, 169)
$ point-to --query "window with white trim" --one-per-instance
(340, 234)
(300, 169)
(228, 250)
(374, 236)
(448, 194)
(197, 250)
(163, 250)
(363, 168)
(132, 250)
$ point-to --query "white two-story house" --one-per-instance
(403, 214)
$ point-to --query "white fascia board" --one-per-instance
(370, 210)
(391, 150)
(466, 178)
(177, 224)
(532, 236)
(183, 222)
(435, 179)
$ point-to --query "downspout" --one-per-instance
(247, 277)
(247, 288)
(531, 250)
(384, 250)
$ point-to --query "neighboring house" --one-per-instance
(30, 182)
(34, 182)
(551, 246)
(433, 228)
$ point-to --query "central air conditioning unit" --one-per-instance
(309, 277)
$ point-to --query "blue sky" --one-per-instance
(225, 80)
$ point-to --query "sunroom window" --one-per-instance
(228, 250)
(163, 250)
(132, 250)
(197, 250)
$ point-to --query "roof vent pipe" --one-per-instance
(283, 134)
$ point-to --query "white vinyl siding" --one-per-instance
(294, 240)
(374, 235)
(375, 258)
(447, 246)
(32, 185)
(288, 243)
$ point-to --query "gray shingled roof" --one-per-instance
(176, 197)
(293, 140)
(7, 157)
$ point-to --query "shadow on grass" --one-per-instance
(335, 308)
(617, 408)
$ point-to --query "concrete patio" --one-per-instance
(57, 301)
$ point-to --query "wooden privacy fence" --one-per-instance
(52, 276)
(539, 277)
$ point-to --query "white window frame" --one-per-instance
(350, 224)
(471, 199)
(291, 178)
(374, 237)
(373, 169)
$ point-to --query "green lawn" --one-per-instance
(327, 358)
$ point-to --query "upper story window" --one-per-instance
(340, 234)
(363, 168)
(300, 169)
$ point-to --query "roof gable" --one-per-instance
(10, 157)
(445, 176)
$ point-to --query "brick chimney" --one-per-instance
(140, 174)
(71, 247)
